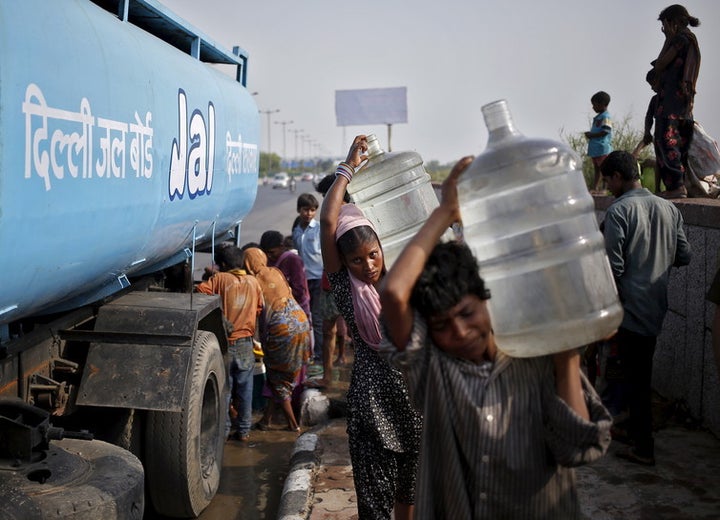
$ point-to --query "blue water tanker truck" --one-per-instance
(128, 142)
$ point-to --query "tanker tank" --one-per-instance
(128, 141)
(118, 153)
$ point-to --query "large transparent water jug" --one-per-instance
(529, 219)
(395, 193)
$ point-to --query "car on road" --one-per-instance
(307, 177)
(281, 180)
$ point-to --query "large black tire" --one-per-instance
(127, 431)
(119, 426)
(78, 480)
(183, 451)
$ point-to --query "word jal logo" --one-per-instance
(193, 152)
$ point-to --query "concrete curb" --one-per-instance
(296, 498)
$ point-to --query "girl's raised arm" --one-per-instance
(333, 200)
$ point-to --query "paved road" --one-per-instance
(274, 209)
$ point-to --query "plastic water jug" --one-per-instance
(529, 219)
(395, 193)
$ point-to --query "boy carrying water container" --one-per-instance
(501, 434)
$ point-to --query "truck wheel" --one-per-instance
(119, 426)
(127, 431)
(78, 480)
(184, 450)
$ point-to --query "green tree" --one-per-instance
(272, 161)
(438, 172)
(326, 165)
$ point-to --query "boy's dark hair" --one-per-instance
(601, 97)
(271, 239)
(353, 238)
(249, 245)
(307, 200)
(229, 257)
(622, 162)
(450, 273)
(324, 185)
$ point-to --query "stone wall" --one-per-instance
(684, 366)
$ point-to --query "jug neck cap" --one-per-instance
(374, 148)
(499, 121)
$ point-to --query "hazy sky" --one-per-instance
(545, 58)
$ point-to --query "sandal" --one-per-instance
(631, 455)
(237, 436)
(261, 426)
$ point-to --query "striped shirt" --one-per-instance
(497, 441)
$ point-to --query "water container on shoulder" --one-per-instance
(394, 191)
(529, 219)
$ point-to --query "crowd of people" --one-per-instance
(277, 303)
(442, 423)
(424, 354)
(644, 234)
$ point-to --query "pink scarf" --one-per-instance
(366, 301)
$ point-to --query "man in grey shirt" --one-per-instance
(644, 238)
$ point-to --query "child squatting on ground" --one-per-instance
(501, 434)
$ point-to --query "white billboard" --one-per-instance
(371, 106)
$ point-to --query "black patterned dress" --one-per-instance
(674, 110)
(383, 427)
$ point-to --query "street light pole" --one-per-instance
(306, 139)
(268, 114)
(284, 123)
(297, 132)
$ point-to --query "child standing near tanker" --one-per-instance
(334, 327)
(306, 236)
(600, 136)
(503, 433)
(242, 304)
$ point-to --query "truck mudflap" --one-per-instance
(163, 353)
(140, 350)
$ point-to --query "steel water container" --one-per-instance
(394, 191)
(529, 219)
